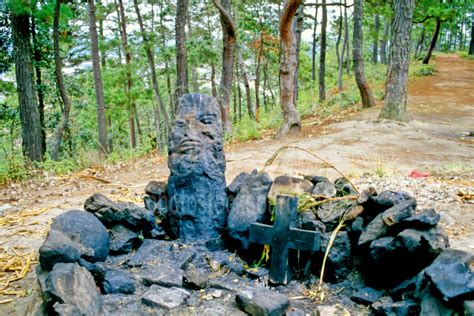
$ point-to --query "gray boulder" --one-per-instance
(452, 276)
(70, 289)
(247, 208)
(122, 240)
(74, 235)
(118, 281)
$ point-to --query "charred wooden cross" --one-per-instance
(282, 236)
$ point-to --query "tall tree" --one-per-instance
(340, 55)
(258, 65)
(181, 53)
(229, 38)
(59, 130)
(128, 60)
(322, 53)
(383, 41)
(359, 71)
(471, 44)
(99, 89)
(29, 114)
(395, 102)
(427, 58)
(375, 46)
(291, 118)
(313, 44)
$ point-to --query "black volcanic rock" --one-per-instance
(74, 235)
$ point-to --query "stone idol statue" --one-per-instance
(196, 186)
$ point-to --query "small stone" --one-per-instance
(236, 184)
(451, 274)
(194, 278)
(159, 251)
(307, 221)
(156, 189)
(260, 301)
(330, 213)
(168, 298)
(325, 188)
(374, 230)
(157, 233)
(329, 310)
(118, 281)
(366, 296)
(163, 275)
(74, 235)
(111, 213)
(71, 289)
(257, 273)
(398, 212)
(344, 187)
(388, 199)
(286, 185)
(432, 306)
(217, 293)
(122, 240)
(366, 194)
(388, 307)
(220, 259)
(426, 219)
(469, 306)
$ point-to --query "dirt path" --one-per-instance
(442, 111)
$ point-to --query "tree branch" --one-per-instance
(232, 31)
(328, 4)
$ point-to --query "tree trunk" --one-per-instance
(313, 47)
(291, 118)
(38, 58)
(213, 80)
(340, 55)
(59, 130)
(322, 54)
(375, 47)
(419, 46)
(194, 75)
(160, 107)
(99, 89)
(359, 70)
(346, 40)
(265, 82)
(395, 102)
(229, 37)
(426, 60)
(239, 90)
(297, 30)
(128, 59)
(29, 114)
(245, 78)
(471, 44)
(181, 53)
(103, 61)
(257, 76)
(383, 42)
(167, 62)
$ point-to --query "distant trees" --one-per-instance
(140, 64)
(395, 102)
(29, 114)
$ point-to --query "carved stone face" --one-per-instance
(196, 140)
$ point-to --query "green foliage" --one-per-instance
(466, 55)
(421, 70)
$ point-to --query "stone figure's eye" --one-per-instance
(207, 120)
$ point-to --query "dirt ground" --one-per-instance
(436, 140)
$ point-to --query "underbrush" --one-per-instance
(465, 55)
(421, 70)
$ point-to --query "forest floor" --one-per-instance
(371, 152)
